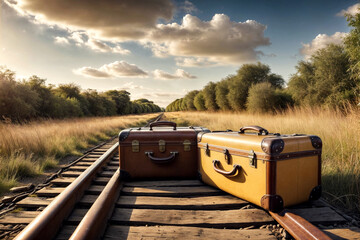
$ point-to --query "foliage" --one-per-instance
(32, 98)
(352, 45)
(324, 80)
(230, 93)
(199, 101)
(210, 97)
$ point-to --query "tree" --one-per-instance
(199, 101)
(72, 90)
(221, 92)
(352, 45)
(248, 75)
(210, 97)
(324, 80)
(121, 99)
(17, 101)
(189, 100)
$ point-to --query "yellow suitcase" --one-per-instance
(270, 170)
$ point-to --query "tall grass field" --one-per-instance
(339, 131)
(28, 149)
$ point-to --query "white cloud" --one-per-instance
(131, 86)
(103, 47)
(194, 62)
(116, 69)
(321, 41)
(179, 74)
(61, 41)
(352, 10)
(219, 40)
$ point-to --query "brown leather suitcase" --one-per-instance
(159, 151)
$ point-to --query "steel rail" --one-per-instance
(93, 225)
(298, 227)
(48, 222)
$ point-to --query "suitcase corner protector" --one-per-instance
(272, 203)
(315, 193)
(124, 134)
(124, 175)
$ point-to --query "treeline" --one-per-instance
(253, 88)
(32, 98)
(331, 77)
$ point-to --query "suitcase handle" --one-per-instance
(259, 129)
(228, 174)
(162, 123)
(161, 160)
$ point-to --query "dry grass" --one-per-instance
(29, 149)
(339, 132)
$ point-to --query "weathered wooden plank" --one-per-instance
(172, 191)
(195, 203)
(63, 181)
(106, 173)
(168, 183)
(175, 232)
(49, 192)
(111, 168)
(77, 168)
(195, 218)
(322, 215)
(95, 189)
(65, 232)
(83, 164)
(114, 163)
(34, 202)
(71, 174)
(23, 217)
(101, 180)
(343, 233)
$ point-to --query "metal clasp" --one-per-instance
(187, 145)
(162, 145)
(207, 150)
(227, 156)
(252, 158)
(135, 146)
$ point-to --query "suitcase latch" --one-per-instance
(187, 145)
(252, 158)
(162, 145)
(135, 146)
(207, 150)
(227, 156)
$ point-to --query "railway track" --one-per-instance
(90, 200)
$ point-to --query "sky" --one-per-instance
(162, 49)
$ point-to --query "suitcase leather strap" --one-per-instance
(259, 155)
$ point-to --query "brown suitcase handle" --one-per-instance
(228, 174)
(162, 123)
(161, 160)
(259, 129)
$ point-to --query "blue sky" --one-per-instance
(162, 49)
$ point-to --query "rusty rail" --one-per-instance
(94, 223)
(298, 227)
(48, 222)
